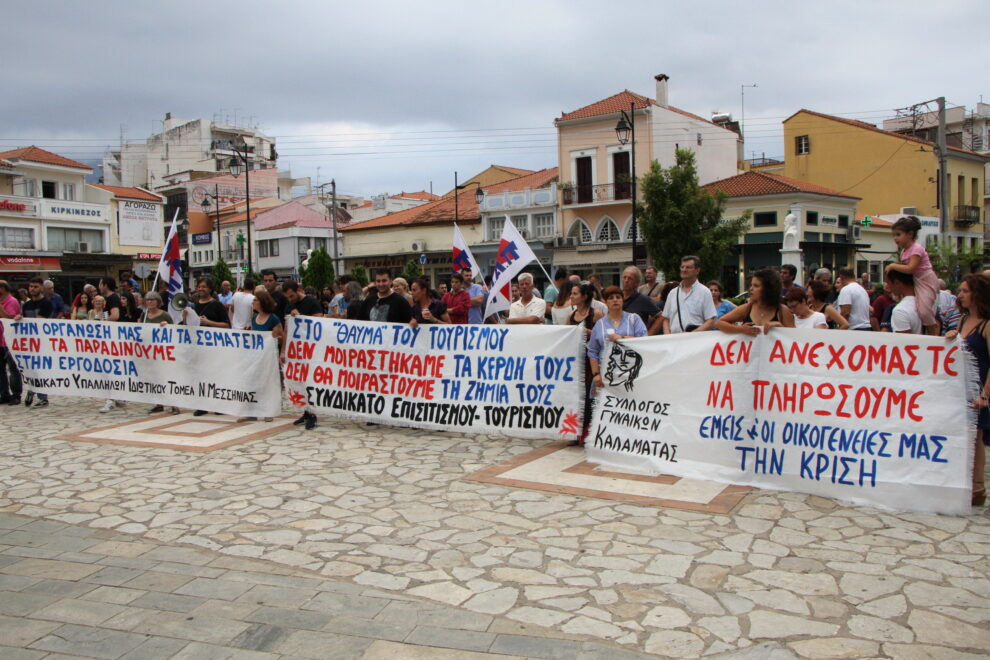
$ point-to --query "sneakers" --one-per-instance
(108, 406)
(29, 399)
(199, 413)
(41, 403)
(157, 409)
(302, 420)
(310, 422)
(174, 410)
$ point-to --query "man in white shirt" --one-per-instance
(241, 306)
(689, 307)
(529, 308)
(853, 301)
(905, 317)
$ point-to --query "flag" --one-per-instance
(513, 255)
(462, 256)
(170, 269)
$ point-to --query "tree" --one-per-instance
(319, 271)
(951, 262)
(412, 270)
(221, 273)
(679, 218)
(360, 274)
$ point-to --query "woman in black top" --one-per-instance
(762, 311)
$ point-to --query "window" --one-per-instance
(262, 248)
(811, 217)
(495, 225)
(69, 239)
(522, 224)
(25, 187)
(17, 237)
(802, 145)
(273, 247)
(543, 224)
(303, 244)
(699, 139)
(49, 190)
(68, 191)
(579, 230)
(319, 243)
(608, 232)
(765, 219)
(843, 220)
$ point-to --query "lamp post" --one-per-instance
(238, 162)
(479, 194)
(332, 207)
(209, 200)
(625, 131)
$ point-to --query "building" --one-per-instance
(138, 216)
(224, 235)
(827, 232)
(283, 236)
(887, 171)
(197, 145)
(384, 204)
(55, 225)
(596, 170)
(491, 176)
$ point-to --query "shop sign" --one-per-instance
(70, 211)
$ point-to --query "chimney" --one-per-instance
(662, 89)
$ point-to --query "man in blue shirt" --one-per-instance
(477, 293)
(58, 305)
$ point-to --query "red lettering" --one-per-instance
(835, 356)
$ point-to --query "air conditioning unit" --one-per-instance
(419, 246)
(82, 246)
(909, 210)
(564, 241)
(854, 233)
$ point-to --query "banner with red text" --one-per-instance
(525, 381)
(225, 371)
(879, 419)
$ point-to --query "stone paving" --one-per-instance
(783, 575)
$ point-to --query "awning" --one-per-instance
(20, 264)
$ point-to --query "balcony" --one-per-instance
(519, 199)
(966, 215)
(597, 194)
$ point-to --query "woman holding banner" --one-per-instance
(585, 315)
(425, 308)
(80, 311)
(560, 311)
(264, 320)
(153, 313)
(99, 311)
(974, 299)
(762, 311)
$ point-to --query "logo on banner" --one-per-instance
(460, 260)
(623, 366)
(507, 255)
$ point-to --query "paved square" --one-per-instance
(183, 432)
(561, 468)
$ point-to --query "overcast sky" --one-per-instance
(390, 96)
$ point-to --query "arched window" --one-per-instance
(628, 231)
(580, 231)
(608, 232)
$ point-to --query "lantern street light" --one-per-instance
(213, 200)
(625, 131)
(240, 162)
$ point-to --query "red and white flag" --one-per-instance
(170, 268)
(514, 254)
(462, 257)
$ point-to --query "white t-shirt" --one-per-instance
(905, 317)
(696, 306)
(537, 307)
(854, 295)
(241, 309)
(816, 319)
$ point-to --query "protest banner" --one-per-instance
(524, 381)
(225, 371)
(879, 420)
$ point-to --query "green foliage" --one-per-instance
(412, 270)
(360, 274)
(222, 273)
(679, 218)
(319, 272)
(946, 256)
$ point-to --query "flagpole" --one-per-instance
(158, 271)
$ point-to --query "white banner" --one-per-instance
(525, 381)
(225, 371)
(875, 419)
(139, 223)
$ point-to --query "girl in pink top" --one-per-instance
(915, 261)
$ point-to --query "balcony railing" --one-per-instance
(602, 192)
(520, 199)
(966, 215)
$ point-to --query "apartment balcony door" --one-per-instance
(622, 175)
(584, 187)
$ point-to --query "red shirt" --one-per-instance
(458, 303)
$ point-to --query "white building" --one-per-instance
(384, 204)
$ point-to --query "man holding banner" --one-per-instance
(513, 255)
(529, 308)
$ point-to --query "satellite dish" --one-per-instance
(180, 301)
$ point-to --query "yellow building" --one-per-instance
(888, 171)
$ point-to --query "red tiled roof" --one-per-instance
(876, 222)
(513, 170)
(442, 210)
(422, 194)
(6, 163)
(240, 217)
(130, 193)
(754, 184)
(875, 129)
(621, 101)
(38, 155)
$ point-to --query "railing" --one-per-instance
(602, 192)
(966, 214)
(519, 199)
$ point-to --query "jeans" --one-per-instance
(10, 375)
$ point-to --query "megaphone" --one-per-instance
(180, 301)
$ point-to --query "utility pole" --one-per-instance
(943, 174)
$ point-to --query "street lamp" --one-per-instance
(479, 194)
(238, 162)
(333, 212)
(209, 200)
(625, 131)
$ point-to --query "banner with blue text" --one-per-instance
(874, 419)
(525, 381)
(225, 371)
